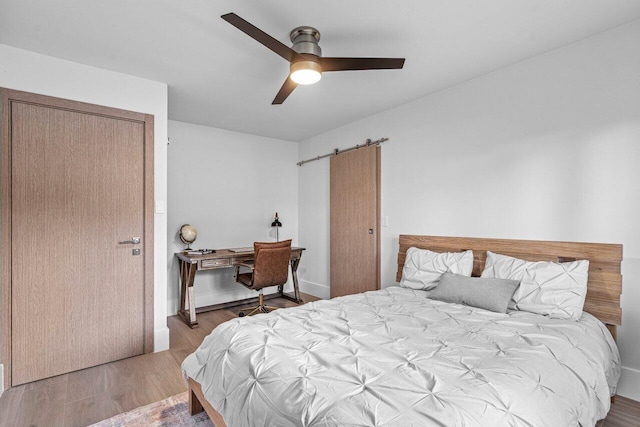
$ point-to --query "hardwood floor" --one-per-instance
(88, 396)
(624, 413)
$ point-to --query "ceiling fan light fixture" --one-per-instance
(306, 72)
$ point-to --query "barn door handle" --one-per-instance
(133, 241)
(371, 231)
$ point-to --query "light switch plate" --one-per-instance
(385, 221)
(159, 206)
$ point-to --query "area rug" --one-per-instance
(173, 411)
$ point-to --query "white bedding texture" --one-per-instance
(394, 357)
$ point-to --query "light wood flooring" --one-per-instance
(88, 396)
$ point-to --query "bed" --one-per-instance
(397, 357)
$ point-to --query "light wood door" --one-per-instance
(77, 190)
(355, 221)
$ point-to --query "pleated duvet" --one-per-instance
(396, 358)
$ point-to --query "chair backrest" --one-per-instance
(271, 264)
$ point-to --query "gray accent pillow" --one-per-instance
(489, 294)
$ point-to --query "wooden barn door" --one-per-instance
(78, 290)
(355, 221)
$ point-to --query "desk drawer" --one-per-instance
(215, 263)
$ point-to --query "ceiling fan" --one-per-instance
(305, 56)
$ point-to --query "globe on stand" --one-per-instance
(188, 234)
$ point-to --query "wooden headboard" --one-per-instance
(603, 287)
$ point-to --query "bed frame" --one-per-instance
(198, 403)
(604, 285)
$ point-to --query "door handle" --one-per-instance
(133, 241)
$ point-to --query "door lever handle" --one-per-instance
(133, 241)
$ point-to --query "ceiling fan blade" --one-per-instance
(287, 87)
(261, 37)
(346, 64)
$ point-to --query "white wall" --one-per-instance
(31, 72)
(228, 185)
(546, 149)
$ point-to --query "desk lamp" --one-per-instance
(277, 224)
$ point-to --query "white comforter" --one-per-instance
(396, 358)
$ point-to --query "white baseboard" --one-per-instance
(161, 339)
(629, 385)
(315, 289)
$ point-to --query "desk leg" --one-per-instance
(187, 275)
(294, 275)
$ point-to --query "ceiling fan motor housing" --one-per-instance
(305, 40)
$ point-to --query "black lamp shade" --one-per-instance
(276, 221)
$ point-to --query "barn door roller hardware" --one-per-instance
(335, 152)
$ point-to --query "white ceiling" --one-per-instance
(218, 76)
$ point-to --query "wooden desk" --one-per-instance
(223, 258)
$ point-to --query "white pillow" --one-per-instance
(549, 288)
(423, 268)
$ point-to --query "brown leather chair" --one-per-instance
(269, 268)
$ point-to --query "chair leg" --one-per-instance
(254, 311)
(261, 308)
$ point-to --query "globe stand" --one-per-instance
(188, 235)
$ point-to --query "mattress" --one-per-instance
(394, 357)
